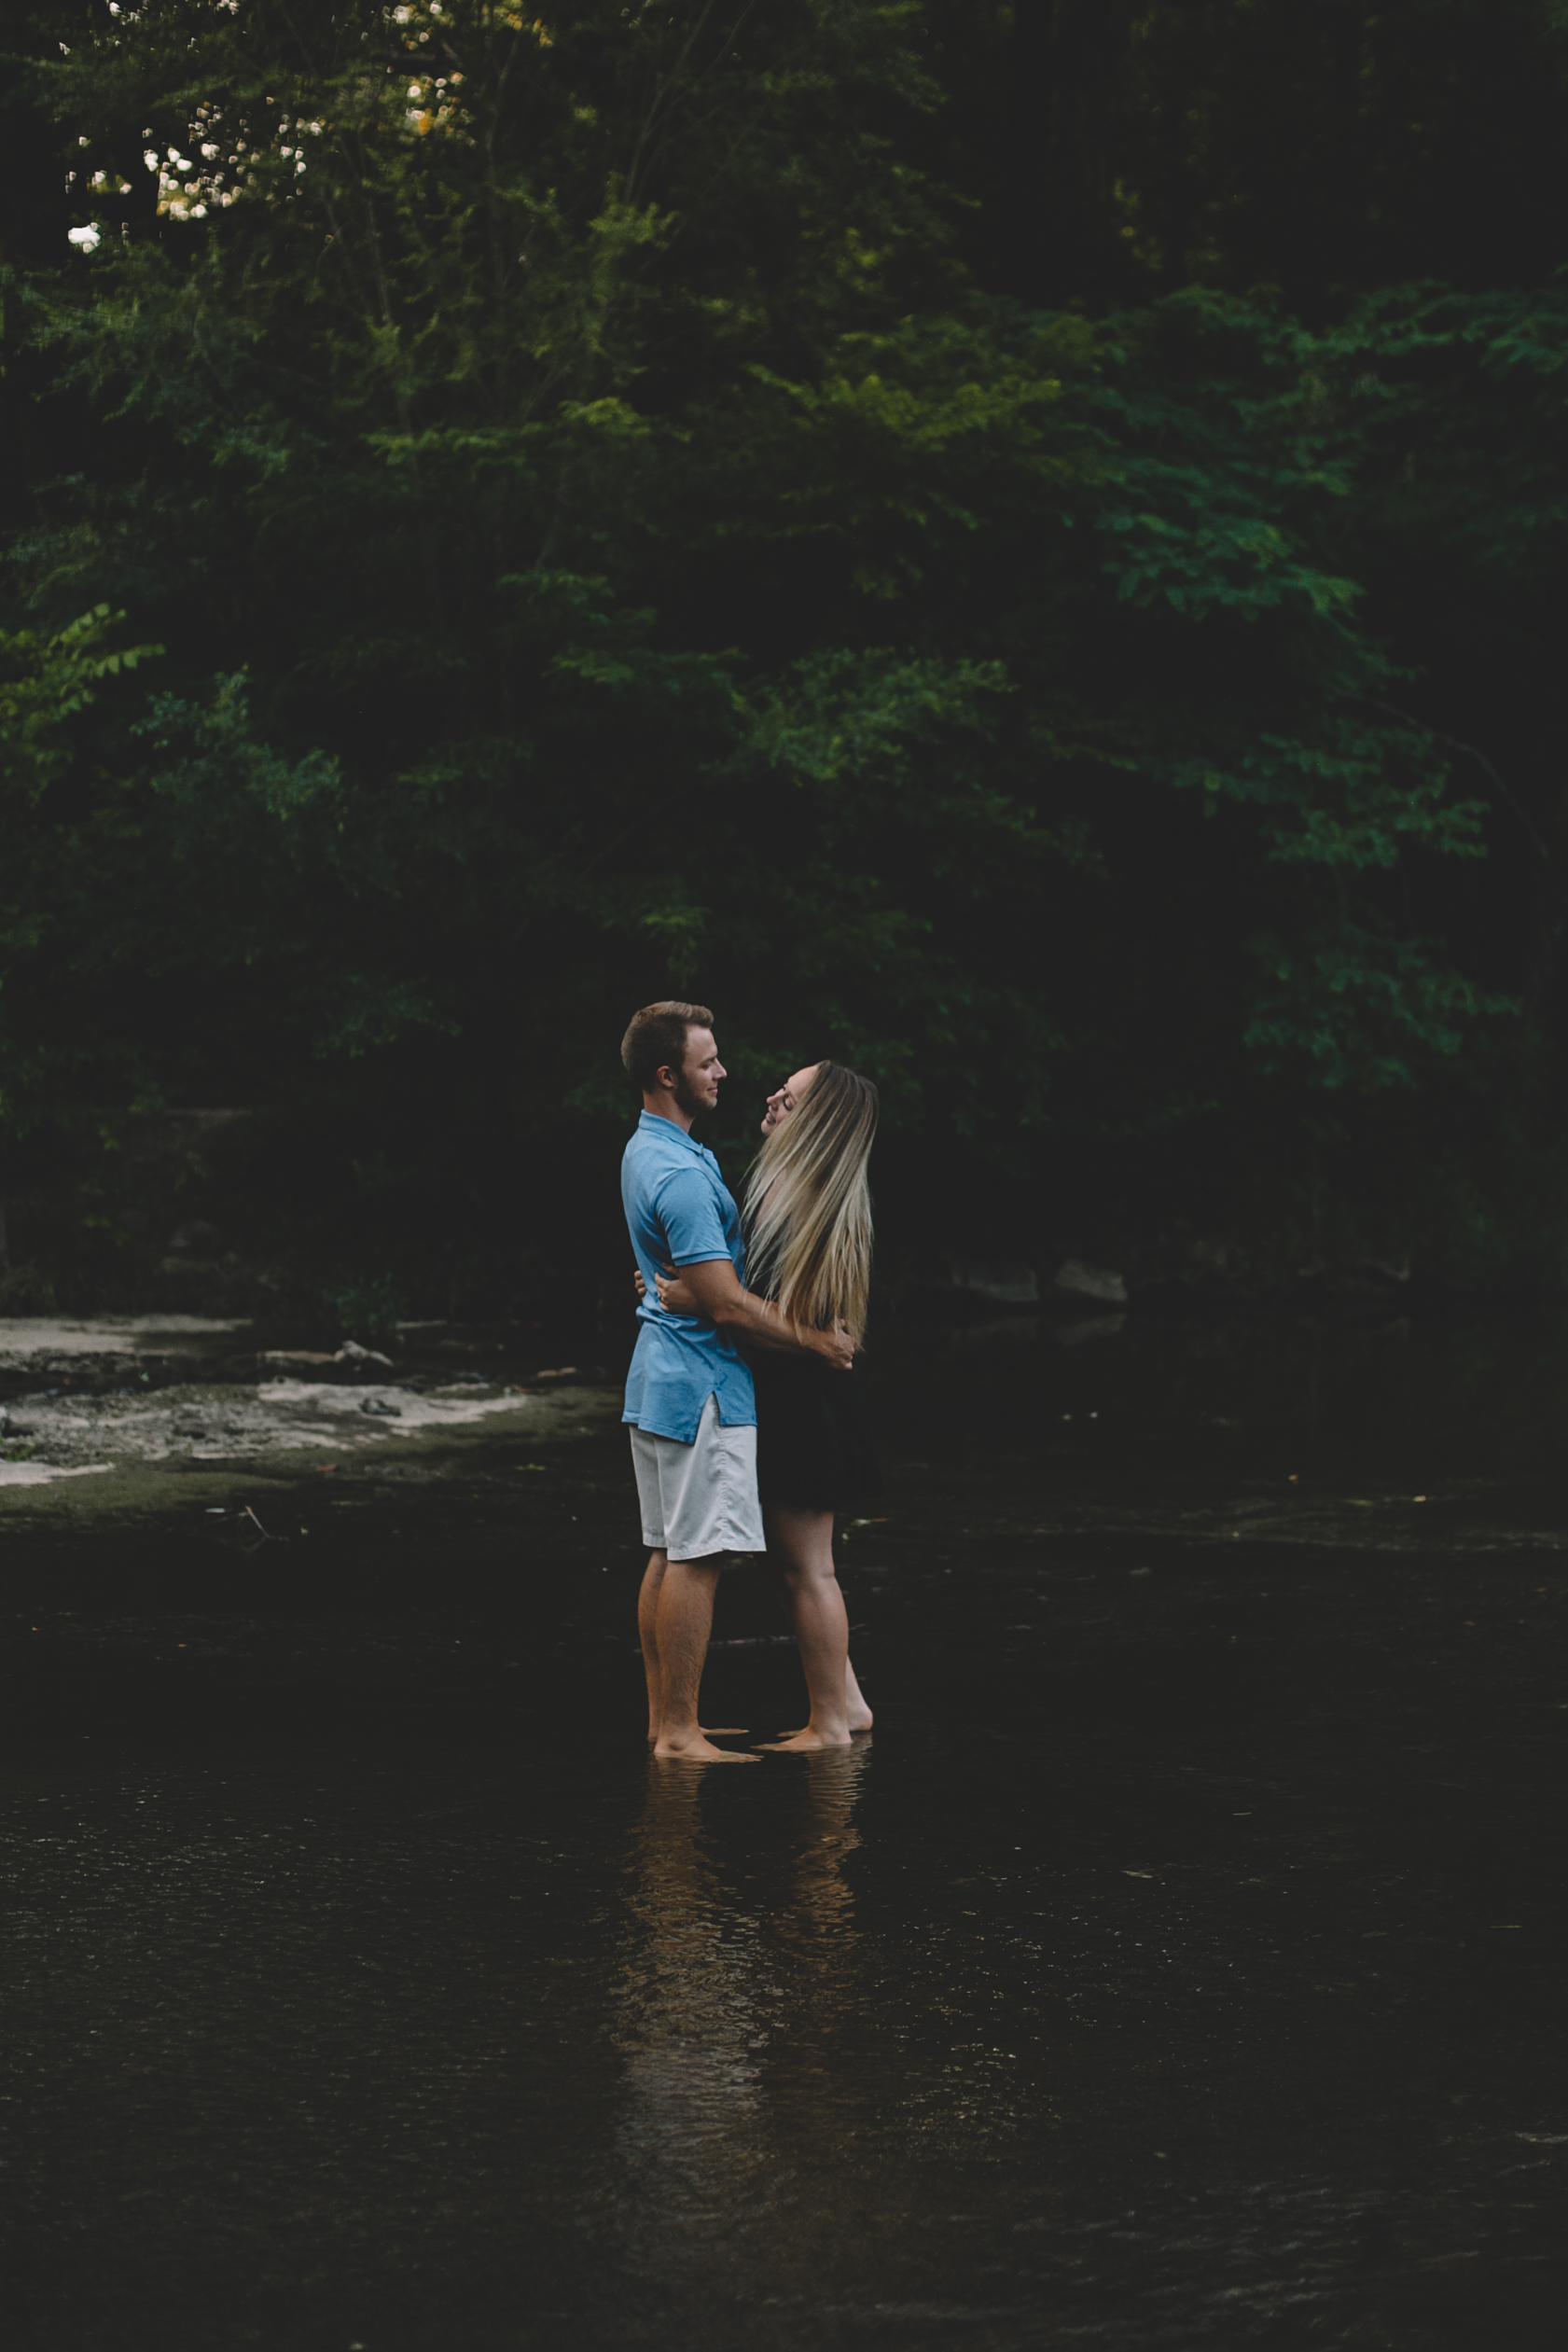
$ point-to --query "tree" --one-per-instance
(607, 541)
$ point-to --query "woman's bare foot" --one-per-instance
(860, 1721)
(693, 1747)
(805, 1741)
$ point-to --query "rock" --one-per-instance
(1089, 1281)
(996, 1330)
(1094, 1327)
(378, 1405)
(1009, 1285)
(350, 1357)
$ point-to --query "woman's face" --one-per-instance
(788, 1099)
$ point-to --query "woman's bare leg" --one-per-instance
(859, 1712)
(856, 1704)
(802, 1541)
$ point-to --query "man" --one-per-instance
(688, 1394)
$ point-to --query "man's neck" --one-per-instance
(662, 1106)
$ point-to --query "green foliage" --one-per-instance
(367, 1310)
(609, 541)
(45, 682)
(1362, 1008)
(58, 840)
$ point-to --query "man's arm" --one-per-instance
(719, 1293)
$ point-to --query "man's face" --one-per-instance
(697, 1081)
(784, 1104)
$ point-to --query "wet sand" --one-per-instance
(1180, 1961)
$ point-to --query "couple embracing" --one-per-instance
(748, 1417)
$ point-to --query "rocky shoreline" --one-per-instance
(115, 1408)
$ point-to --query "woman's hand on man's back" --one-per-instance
(836, 1347)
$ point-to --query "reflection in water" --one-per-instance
(743, 1943)
(1206, 1992)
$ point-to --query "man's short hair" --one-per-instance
(656, 1039)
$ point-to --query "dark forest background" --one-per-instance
(1016, 546)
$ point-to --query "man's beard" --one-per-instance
(685, 1095)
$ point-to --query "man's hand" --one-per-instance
(715, 1292)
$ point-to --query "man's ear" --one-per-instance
(664, 1076)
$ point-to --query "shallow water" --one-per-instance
(1180, 1962)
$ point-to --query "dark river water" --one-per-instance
(1179, 1962)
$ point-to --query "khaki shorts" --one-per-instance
(699, 1498)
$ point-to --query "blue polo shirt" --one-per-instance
(679, 1212)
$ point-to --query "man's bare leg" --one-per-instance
(648, 1630)
(682, 1620)
(648, 1625)
(803, 1541)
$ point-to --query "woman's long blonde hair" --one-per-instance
(808, 1205)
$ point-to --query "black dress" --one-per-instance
(813, 1435)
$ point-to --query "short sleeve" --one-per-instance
(689, 1215)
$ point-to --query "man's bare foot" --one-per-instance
(804, 1743)
(692, 1747)
(724, 1731)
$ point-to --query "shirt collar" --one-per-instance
(649, 1121)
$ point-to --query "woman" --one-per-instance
(808, 1217)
